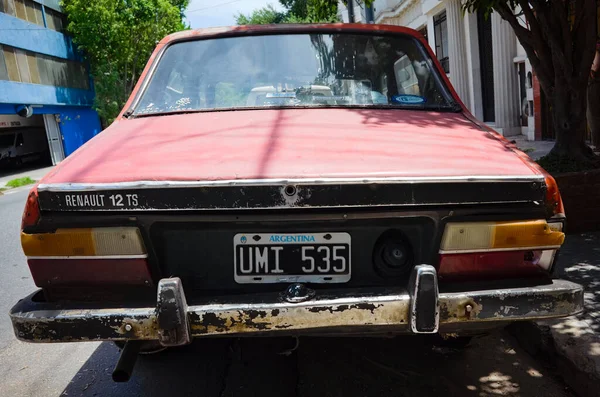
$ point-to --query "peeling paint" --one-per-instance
(49, 322)
(455, 310)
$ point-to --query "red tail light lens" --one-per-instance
(553, 199)
(89, 272)
(31, 214)
(495, 265)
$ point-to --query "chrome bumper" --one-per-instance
(173, 322)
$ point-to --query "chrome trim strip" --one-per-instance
(378, 206)
(61, 187)
(144, 256)
(472, 251)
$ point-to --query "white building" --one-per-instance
(482, 57)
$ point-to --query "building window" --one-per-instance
(55, 20)
(29, 10)
(7, 7)
(29, 67)
(441, 40)
(26, 10)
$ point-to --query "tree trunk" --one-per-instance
(593, 111)
(569, 104)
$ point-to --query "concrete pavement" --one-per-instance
(535, 149)
(35, 171)
(493, 365)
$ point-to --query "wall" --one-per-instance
(37, 39)
(401, 13)
(33, 94)
(580, 192)
(77, 127)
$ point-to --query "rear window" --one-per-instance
(292, 70)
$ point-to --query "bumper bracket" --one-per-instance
(171, 310)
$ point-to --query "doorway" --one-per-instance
(486, 59)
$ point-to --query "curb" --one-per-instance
(567, 355)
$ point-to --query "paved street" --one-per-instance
(492, 366)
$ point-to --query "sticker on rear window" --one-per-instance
(408, 99)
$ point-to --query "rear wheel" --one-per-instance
(148, 347)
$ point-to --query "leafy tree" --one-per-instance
(296, 11)
(117, 37)
(559, 37)
(262, 16)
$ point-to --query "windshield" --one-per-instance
(293, 70)
(7, 140)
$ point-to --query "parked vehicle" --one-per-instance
(18, 145)
(380, 206)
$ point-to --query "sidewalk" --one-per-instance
(35, 172)
(572, 344)
(578, 337)
(538, 148)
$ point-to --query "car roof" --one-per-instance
(243, 30)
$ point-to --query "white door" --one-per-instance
(54, 139)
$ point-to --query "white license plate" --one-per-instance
(292, 257)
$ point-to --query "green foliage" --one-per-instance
(19, 182)
(117, 38)
(296, 11)
(262, 16)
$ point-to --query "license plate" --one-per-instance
(297, 257)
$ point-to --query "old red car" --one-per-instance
(291, 180)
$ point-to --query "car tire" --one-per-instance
(147, 348)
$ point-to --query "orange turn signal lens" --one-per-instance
(96, 242)
(498, 236)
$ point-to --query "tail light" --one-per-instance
(553, 200)
(85, 243)
(112, 255)
(31, 214)
(499, 249)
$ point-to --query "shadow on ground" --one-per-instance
(580, 262)
(408, 366)
(7, 171)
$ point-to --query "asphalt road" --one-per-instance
(492, 366)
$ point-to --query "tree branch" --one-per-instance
(529, 42)
(584, 39)
(540, 45)
(543, 13)
(561, 13)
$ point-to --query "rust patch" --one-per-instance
(299, 317)
(456, 310)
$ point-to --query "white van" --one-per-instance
(18, 145)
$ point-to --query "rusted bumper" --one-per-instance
(363, 311)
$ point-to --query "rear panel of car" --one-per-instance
(197, 245)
